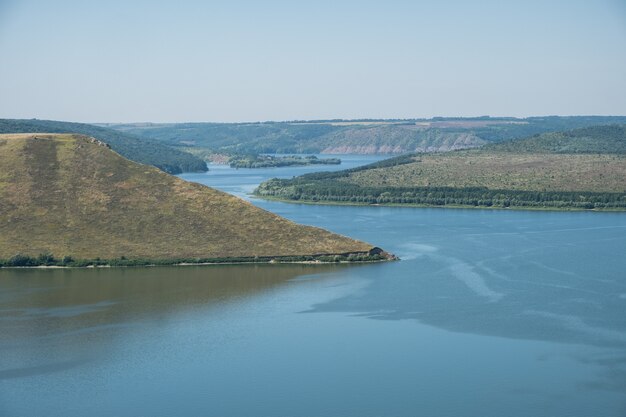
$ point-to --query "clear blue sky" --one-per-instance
(236, 60)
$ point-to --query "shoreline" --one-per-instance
(330, 259)
(201, 264)
(448, 206)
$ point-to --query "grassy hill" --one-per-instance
(115, 211)
(583, 168)
(356, 136)
(142, 150)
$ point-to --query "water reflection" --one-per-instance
(75, 315)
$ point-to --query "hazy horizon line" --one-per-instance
(338, 119)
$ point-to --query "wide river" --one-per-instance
(489, 313)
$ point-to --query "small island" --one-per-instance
(270, 161)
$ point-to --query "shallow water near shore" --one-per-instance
(489, 313)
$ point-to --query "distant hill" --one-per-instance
(583, 168)
(70, 196)
(597, 139)
(142, 150)
(357, 136)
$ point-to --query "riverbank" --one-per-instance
(48, 261)
(446, 206)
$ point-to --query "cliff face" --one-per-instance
(70, 195)
(398, 139)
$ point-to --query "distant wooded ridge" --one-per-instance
(360, 136)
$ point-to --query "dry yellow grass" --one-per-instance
(70, 195)
(511, 171)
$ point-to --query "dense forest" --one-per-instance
(580, 169)
(142, 150)
(357, 136)
(329, 191)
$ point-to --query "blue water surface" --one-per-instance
(489, 313)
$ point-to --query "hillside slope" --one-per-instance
(51, 201)
(357, 136)
(583, 168)
(142, 150)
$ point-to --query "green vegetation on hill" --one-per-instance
(582, 169)
(609, 139)
(59, 210)
(142, 150)
(356, 136)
